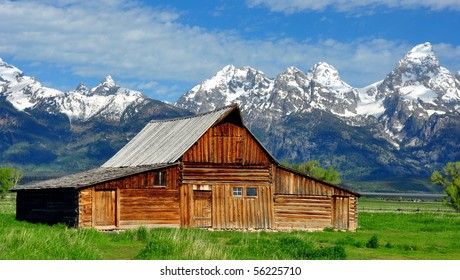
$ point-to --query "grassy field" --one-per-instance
(386, 234)
(396, 205)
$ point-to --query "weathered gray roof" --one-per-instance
(88, 178)
(165, 141)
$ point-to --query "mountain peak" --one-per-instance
(324, 73)
(82, 88)
(423, 55)
(106, 87)
(9, 73)
(421, 51)
(109, 82)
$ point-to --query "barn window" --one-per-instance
(237, 191)
(159, 178)
(251, 192)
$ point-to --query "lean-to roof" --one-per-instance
(88, 178)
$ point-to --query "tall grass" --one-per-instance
(25, 241)
(8, 204)
(191, 244)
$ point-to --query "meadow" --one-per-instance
(428, 233)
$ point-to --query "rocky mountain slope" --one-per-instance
(403, 126)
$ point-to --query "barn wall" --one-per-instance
(218, 174)
(230, 212)
(207, 199)
(132, 201)
(49, 206)
(288, 182)
(303, 212)
(304, 203)
(227, 143)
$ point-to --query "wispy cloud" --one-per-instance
(294, 6)
(150, 48)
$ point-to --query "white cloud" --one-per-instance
(294, 6)
(138, 43)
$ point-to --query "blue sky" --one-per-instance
(163, 48)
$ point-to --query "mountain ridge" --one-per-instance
(408, 113)
(403, 126)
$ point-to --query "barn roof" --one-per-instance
(165, 141)
(89, 178)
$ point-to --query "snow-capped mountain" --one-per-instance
(405, 125)
(229, 85)
(21, 91)
(69, 131)
(398, 122)
(418, 81)
(107, 100)
(417, 89)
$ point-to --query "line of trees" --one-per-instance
(9, 178)
(314, 169)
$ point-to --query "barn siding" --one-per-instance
(302, 212)
(49, 206)
(153, 207)
(212, 174)
(136, 202)
(230, 212)
(302, 202)
(227, 143)
(226, 211)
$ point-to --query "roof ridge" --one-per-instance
(195, 116)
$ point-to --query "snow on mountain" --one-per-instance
(229, 85)
(416, 89)
(8, 73)
(106, 100)
(330, 92)
(21, 91)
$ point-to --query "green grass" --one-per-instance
(374, 204)
(421, 235)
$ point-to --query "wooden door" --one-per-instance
(202, 209)
(340, 215)
(104, 208)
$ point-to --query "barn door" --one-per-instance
(104, 208)
(202, 209)
(340, 215)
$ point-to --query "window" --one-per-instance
(251, 192)
(159, 178)
(244, 192)
(238, 191)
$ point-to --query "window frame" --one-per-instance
(242, 192)
(237, 191)
(252, 194)
(159, 178)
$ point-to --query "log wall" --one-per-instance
(302, 212)
(302, 202)
(200, 175)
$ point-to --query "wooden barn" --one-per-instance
(204, 171)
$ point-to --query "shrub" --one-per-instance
(373, 242)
